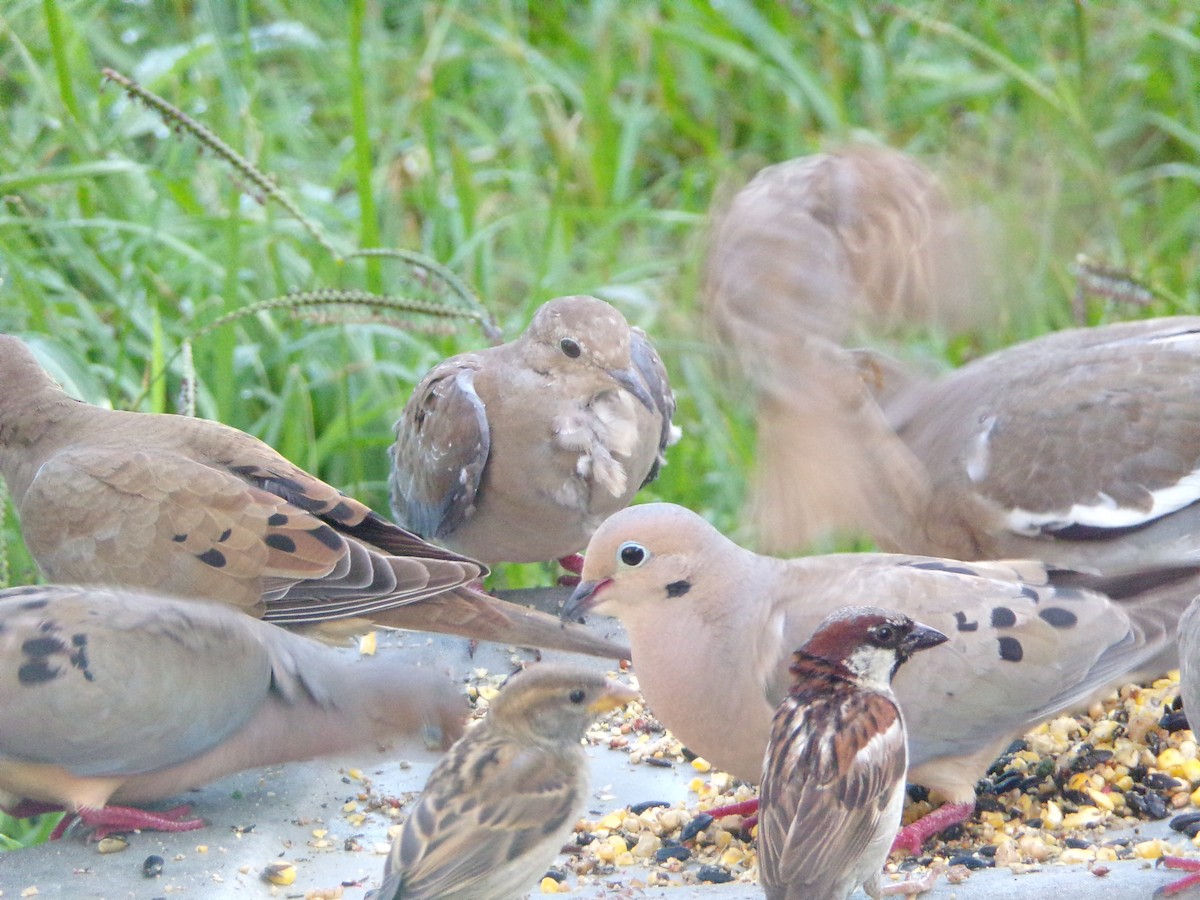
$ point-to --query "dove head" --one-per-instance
(584, 337)
(870, 643)
(20, 372)
(644, 561)
(555, 704)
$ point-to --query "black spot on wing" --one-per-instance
(340, 513)
(43, 646)
(280, 542)
(1027, 591)
(963, 623)
(1059, 617)
(1011, 649)
(1003, 617)
(328, 537)
(224, 535)
(34, 604)
(943, 567)
(678, 588)
(213, 557)
(179, 538)
(36, 671)
(277, 519)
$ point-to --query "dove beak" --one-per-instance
(632, 382)
(585, 597)
(614, 695)
(922, 637)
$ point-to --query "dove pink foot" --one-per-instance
(913, 837)
(1175, 888)
(745, 808)
(111, 819)
(573, 563)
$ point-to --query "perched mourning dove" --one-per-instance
(1025, 641)
(109, 694)
(810, 252)
(498, 808)
(1081, 448)
(517, 453)
(833, 778)
(194, 508)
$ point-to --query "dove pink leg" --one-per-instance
(111, 819)
(573, 563)
(913, 837)
(1183, 884)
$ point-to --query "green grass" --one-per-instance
(538, 150)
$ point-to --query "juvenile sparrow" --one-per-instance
(1026, 641)
(499, 806)
(833, 777)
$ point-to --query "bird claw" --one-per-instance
(1183, 884)
(911, 838)
(911, 886)
(109, 820)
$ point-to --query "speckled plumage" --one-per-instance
(194, 508)
(110, 694)
(833, 775)
(516, 453)
(498, 808)
(1025, 641)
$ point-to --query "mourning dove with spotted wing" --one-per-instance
(115, 695)
(498, 808)
(1026, 641)
(194, 508)
(516, 453)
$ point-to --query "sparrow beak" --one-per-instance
(631, 380)
(583, 598)
(922, 637)
(614, 695)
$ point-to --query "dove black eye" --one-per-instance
(577, 696)
(570, 347)
(632, 554)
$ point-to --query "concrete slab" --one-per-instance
(262, 816)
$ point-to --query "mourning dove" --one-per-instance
(498, 808)
(1081, 448)
(194, 508)
(516, 453)
(833, 779)
(810, 252)
(114, 695)
(1025, 641)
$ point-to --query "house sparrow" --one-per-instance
(499, 806)
(185, 506)
(1026, 641)
(517, 453)
(833, 777)
(109, 694)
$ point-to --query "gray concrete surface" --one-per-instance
(262, 816)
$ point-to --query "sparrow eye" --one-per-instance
(884, 634)
(577, 696)
(632, 554)
(570, 347)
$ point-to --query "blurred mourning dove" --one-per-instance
(110, 694)
(810, 252)
(498, 808)
(1081, 448)
(195, 508)
(1025, 641)
(517, 453)
(833, 779)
